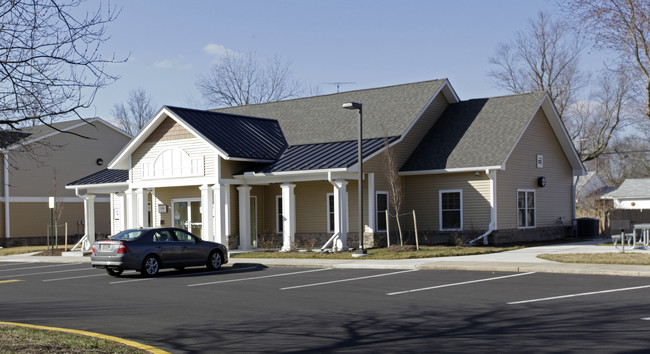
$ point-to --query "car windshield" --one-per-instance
(128, 235)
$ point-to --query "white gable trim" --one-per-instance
(121, 161)
(560, 132)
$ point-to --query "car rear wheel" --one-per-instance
(215, 260)
(150, 266)
(114, 271)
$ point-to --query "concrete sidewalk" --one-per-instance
(521, 260)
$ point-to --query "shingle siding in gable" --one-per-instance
(554, 200)
(169, 129)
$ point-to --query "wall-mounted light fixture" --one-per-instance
(100, 161)
(541, 181)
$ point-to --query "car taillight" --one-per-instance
(94, 248)
(122, 249)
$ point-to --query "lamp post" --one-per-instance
(354, 105)
(51, 205)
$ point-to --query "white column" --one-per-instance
(244, 217)
(89, 216)
(372, 213)
(341, 213)
(288, 216)
(219, 211)
(207, 217)
(142, 207)
(129, 211)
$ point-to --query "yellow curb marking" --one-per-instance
(9, 281)
(131, 343)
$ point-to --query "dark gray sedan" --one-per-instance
(149, 249)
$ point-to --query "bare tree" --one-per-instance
(594, 123)
(240, 79)
(395, 191)
(542, 58)
(620, 25)
(133, 117)
(50, 61)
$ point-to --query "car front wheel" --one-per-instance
(150, 266)
(114, 271)
(215, 260)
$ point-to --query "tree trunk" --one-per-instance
(399, 228)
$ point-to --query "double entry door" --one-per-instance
(187, 215)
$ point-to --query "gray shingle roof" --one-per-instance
(236, 135)
(631, 188)
(104, 176)
(475, 133)
(387, 111)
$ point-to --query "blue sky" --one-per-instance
(372, 43)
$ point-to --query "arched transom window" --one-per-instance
(173, 162)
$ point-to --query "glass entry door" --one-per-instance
(187, 215)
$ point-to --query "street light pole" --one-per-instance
(358, 106)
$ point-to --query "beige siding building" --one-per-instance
(39, 164)
(285, 174)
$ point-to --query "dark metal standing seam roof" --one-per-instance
(238, 136)
(104, 176)
(341, 154)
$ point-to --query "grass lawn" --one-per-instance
(600, 258)
(8, 251)
(15, 339)
(385, 253)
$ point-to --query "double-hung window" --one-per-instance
(330, 212)
(382, 207)
(451, 210)
(525, 208)
(278, 212)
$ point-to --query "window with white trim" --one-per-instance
(330, 212)
(525, 208)
(173, 162)
(279, 224)
(382, 206)
(451, 210)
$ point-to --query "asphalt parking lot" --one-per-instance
(251, 308)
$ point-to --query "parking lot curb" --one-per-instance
(127, 342)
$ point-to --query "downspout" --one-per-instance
(493, 208)
(6, 192)
(574, 215)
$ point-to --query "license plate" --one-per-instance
(104, 247)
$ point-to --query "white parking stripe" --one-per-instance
(344, 280)
(456, 284)
(41, 273)
(646, 319)
(176, 276)
(37, 267)
(581, 294)
(260, 277)
(81, 276)
(13, 264)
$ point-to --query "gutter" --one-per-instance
(492, 174)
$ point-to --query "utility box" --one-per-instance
(588, 228)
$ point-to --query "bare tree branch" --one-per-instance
(50, 61)
(240, 80)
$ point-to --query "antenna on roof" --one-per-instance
(339, 83)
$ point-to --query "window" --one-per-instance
(330, 212)
(278, 212)
(382, 206)
(451, 210)
(525, 208)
